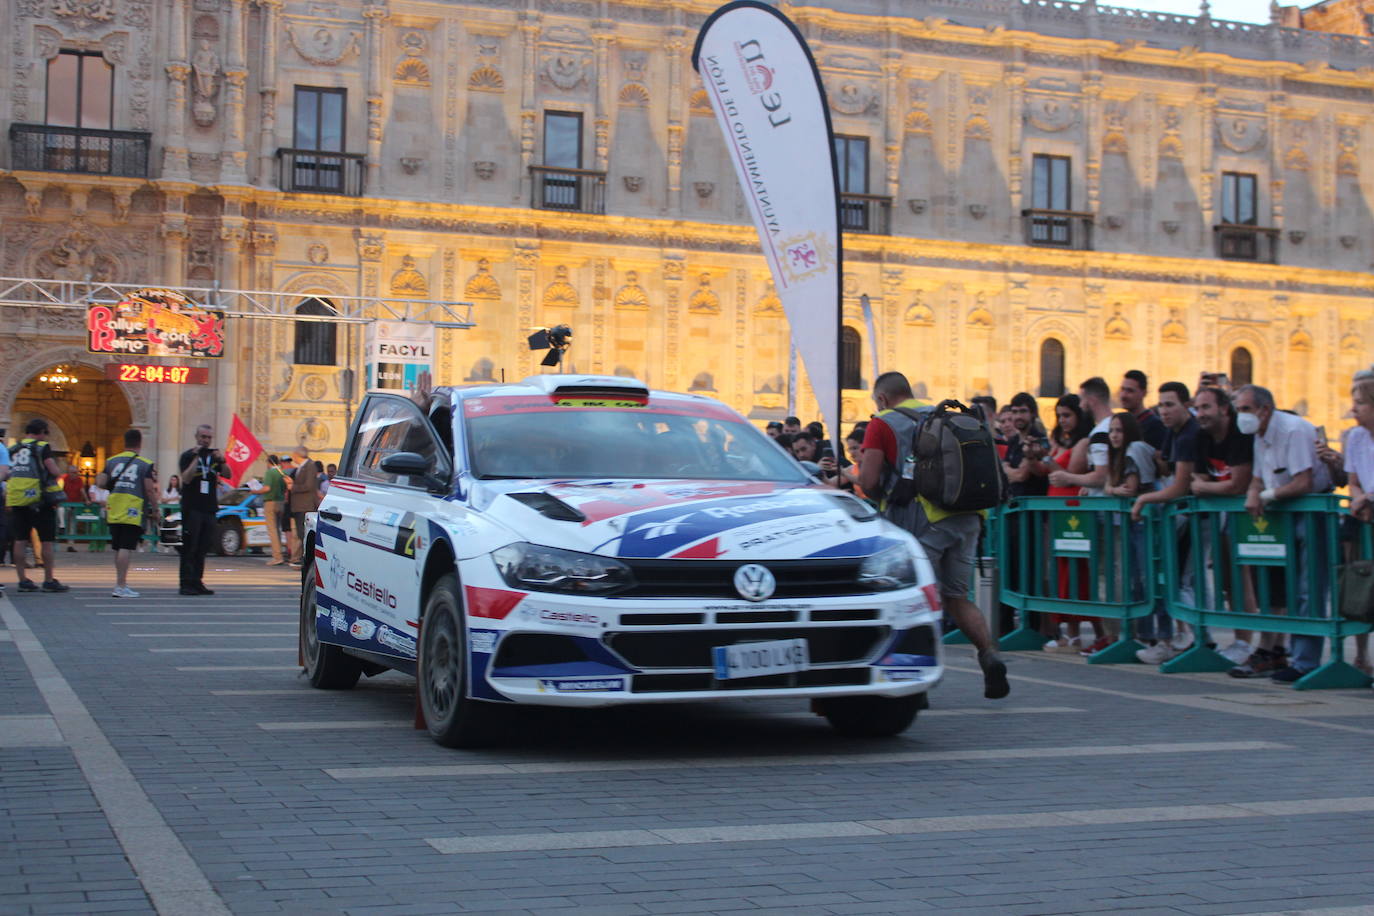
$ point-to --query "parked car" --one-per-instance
(239, 527)
(584, 541)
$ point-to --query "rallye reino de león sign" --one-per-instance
(492, 546)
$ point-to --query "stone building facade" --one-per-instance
(1037, 191)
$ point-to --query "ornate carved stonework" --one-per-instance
(918, 314)
(84, 14)
(321, 46)
(1240, 135)
(560, 292)
(769, 304)
(1117, 327)
(412, 69)
(1052, 113)
(1174, 331)
(409, 283)
(854, 97)
(486, 78)
(564, 68)
(704, 300)
(482, 285)
(980, 316)
(631, 295)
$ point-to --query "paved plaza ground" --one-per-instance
(164, 755)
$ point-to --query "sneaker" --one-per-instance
(276, 563)
(28, 585)
(995, 685)
(1157, 654)
(1182, 641)
(1237, 652)
(187, 590)
(1261, 661)
(52, 585)
(202, 590)
(1102, 643)
(123, 591)
(1062, 644)
(294, 564)
(1287, 675)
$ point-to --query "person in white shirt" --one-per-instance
(1095, 396)
(1287, 466)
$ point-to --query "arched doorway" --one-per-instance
(87, 413)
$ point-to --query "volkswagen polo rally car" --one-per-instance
(584, 541)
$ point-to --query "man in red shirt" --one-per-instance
(949, 539)
(73, 487)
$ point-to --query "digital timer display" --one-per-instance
(160, 375)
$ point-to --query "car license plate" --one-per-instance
(756, 659)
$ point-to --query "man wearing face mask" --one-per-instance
(1287, 466)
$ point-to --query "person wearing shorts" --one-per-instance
(31, 494)
(950, 540)
(132, 482)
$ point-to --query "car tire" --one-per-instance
(328, 667)
(453, 717)
(229, 538)
(872, 717)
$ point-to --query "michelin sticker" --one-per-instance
(584, 685)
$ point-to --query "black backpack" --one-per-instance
(957, 465)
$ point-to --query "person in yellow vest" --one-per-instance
(950, 539)
(131, 481)
(32, 494)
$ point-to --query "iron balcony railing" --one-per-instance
(44, 148)
(1058, 229)
(573, 190)
(311, 171)
(866, 213)
(1247, 243)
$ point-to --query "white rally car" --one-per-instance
(583, 541)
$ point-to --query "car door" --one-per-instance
(380, 513)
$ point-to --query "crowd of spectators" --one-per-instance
(1212, 440)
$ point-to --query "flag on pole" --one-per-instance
(240, 452)
(769, 102)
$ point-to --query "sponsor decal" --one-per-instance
(483, 641)
(492, 603)
(664, 531)
(903, 660)
(655, 530)
(377, 594)
(337, 572)
(897, 674)
(397, 641)
(583, 685)
(570, 618)
(791, 532)
(362, 629)
(338, 620)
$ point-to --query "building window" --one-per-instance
(320, 119)
(563, 139)
(80, 91)
(1048, 222)
(851, 359)
(1239, 199)
(1242, 367)
(1051, 368)
(851, 157)
(316, 340)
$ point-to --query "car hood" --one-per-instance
(675, 519)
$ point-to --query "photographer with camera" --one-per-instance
(201, 468)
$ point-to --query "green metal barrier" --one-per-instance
(84, 522)
(1214, 554)
(1107, 559)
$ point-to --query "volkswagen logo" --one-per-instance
(755, 582)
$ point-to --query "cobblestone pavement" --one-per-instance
(164, 755)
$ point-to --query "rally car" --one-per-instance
(239, 525)
(584, 541)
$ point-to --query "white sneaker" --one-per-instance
(1157, 654)
(1182, 641)
(1237, 652)
(123, 591)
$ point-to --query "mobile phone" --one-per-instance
(1321, 435)
(1044, 443)
(826, 452)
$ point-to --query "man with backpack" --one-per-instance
(904, 459)
(32, 495)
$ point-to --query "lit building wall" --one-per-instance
(1212, 196)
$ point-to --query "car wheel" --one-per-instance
(872, 717)
(229, 537)
(453, 717)
(328, 667)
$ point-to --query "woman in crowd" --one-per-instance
(1068, 452)
(173, 492)
(1132, 471)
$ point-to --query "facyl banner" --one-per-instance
(769, 101)
(397, 352)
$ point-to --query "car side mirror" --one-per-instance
(410, 464)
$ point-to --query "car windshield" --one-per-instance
(522, 438)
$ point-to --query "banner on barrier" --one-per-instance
(1074, 534)
(1260, 541)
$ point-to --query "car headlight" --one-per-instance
(891, 569)
(552, 569)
